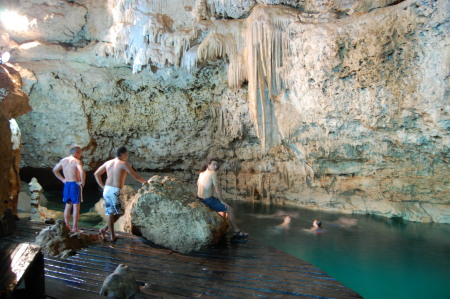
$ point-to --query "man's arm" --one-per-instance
(57, 173)
(82, 173)
(98, 175)
(134, 174)
(215, 182)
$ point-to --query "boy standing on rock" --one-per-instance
(73, 180)
(116, 171)
(208, 183)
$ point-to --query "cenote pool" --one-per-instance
(375, 256)
(378, 257)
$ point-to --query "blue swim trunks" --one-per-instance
(71, 193)
(214, 203)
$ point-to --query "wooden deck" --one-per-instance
(239, 270)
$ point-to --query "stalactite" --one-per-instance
(237, 72)
(190, 58)
(257, 49)
(208, 8)
(141, 34)
(265, 58)
(217, 45)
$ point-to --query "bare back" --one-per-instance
(207, 181)
(116, 171)
(70, 167)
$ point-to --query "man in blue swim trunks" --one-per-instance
(208, 183)
(73, 180)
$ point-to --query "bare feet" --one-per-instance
(76, 230)
(102, 234)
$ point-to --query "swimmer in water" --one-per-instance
(316, 228)
(286, 222)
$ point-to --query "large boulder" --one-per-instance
(167, 213)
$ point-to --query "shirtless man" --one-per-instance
(116, 171)
(208, 183)
(73, 180)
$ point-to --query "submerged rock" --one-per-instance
(166, 212)
(120, 284)
(57, 240)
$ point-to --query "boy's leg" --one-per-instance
(237, 232)
(111, 220)
(76, 216)
(232, 219)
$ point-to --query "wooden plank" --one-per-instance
(17, 260)
(201, 264)
(242, 281)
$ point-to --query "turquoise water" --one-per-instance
(90, 198)
(375, 256)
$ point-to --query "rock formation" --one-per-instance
(167, 213)
(13, 103)
(35, 190)
(120, 284)
(56, 240)
(24, 203)
(335, 105)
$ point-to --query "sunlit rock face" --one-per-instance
(336, 105)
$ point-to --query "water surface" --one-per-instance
(376, 256)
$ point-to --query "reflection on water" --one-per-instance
(375, 256)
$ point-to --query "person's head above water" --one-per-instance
(287, 219)
(211, 164)
(317, 223)
(122, 153)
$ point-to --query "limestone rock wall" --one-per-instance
(338, 105)
(13, 103)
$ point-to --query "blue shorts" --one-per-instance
(214, 203)
(71, 193)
